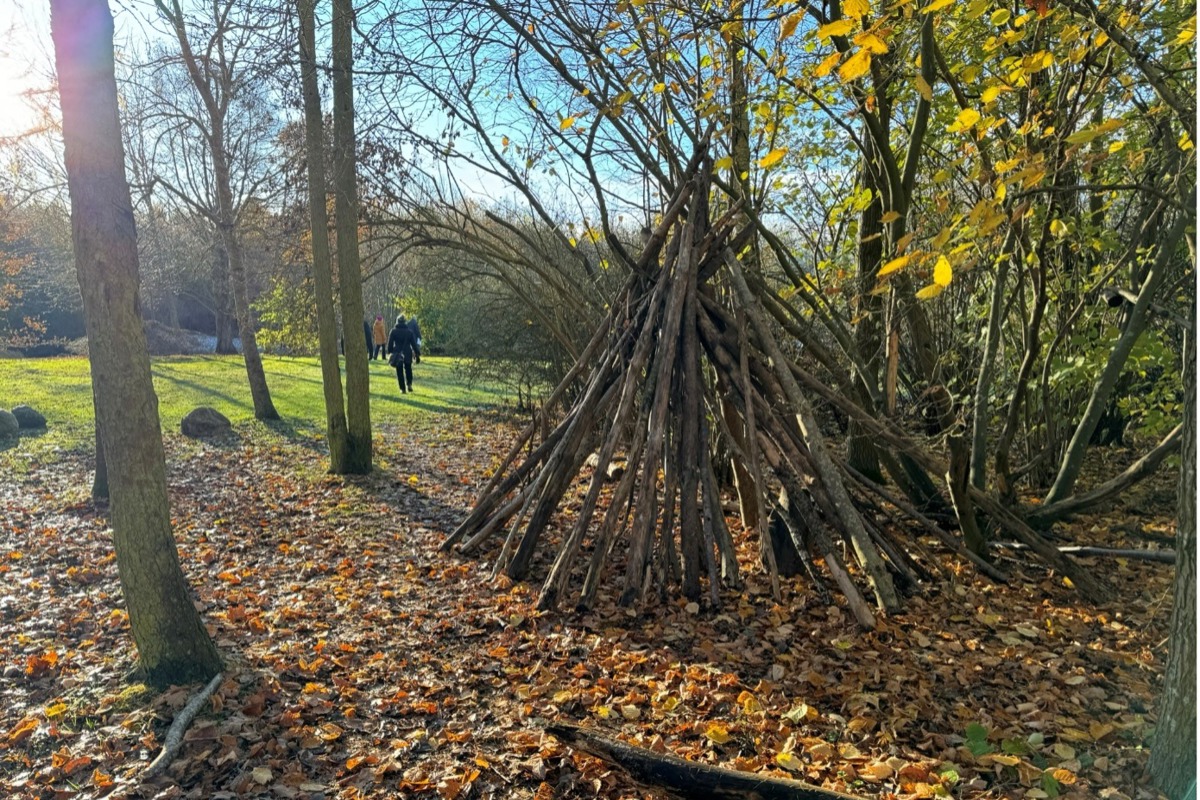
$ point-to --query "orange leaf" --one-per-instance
(22, 730)
(76, 764)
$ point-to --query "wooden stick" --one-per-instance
(945, 538)
(687, 778)
(174, 739)
(1157, 556)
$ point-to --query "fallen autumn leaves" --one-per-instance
(364, 663)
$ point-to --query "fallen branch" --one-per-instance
(1157, 556)
(175, 733)
(687, 779)
(1110, 489)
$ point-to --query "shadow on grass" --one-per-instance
(200, 388)
(306, 434)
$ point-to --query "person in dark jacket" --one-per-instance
(367, 333)
(401, 345)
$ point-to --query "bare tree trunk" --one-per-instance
(260, 394)
(173, 645)
(358, 376)
(743, 478)
(1173, 756)
(980, 415)
(868, 333)
(226, 214)
(314, 141)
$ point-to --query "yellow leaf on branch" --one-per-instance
(772, 158)
(856, 9)
(992, 92)
(965, 120)
(942, 272)
(826, 66)
(837, 28)
(925, 90)
(856, 66)
(895, 265)
(789, 25)
(869, 41)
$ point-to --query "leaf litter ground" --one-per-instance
(363, 662)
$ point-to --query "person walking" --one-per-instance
(379, 335)
(366, 333)
(401, 345)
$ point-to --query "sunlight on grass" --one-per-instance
(61, 389)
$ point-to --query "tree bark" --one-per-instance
(1173, 755)
(314, 142)
(222, 318)
(100, 475)
(173, 645)
(260, 394)
(981, 415)
(358, 376)
(743, 479)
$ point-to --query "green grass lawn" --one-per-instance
(61, 389)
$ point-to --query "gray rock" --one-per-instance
(8, 424)
(28, 417)
(205, 422)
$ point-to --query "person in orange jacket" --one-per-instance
(379, 334)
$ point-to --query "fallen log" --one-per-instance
(1080, 551)
(687, 779)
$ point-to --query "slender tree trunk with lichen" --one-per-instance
(173, 645)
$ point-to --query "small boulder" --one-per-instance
(205, 422)
(28, 418)
(8, 424)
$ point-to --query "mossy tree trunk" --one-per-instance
(173, 645)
